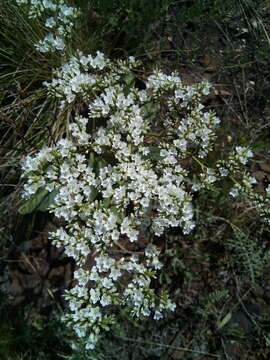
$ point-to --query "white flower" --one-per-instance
(244, 154)
(50, 22)
(107, 283)
(94, 295)
(50, 43)
(115, 273)
(234, 192)
(105, 300)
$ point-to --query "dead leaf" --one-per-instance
(265, 167)
(220, 92)
(259, 175)
(211, 64)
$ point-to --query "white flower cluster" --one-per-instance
(83, 77)
(233, 167)
(120, 187)
(244, 189)
(91, 305)
(60, 21)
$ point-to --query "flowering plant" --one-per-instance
(126, 173)
(59, 21)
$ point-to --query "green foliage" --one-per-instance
(42, 200)
(123, 24)
(41, 340)
(192, 10)
(215, 297)
(249, 254)
(225, 320)
(136, 15)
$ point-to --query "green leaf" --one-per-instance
(99, 164)
(93, 195)
(150, 110)
(47, 201)
(129, 79)
(154, 153)
(118, 212)
(96, 162)
(91, 160)
(40, 201)
(30, 205)
(225, 320)
(106, 203)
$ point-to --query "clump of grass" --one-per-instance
(23, 70)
